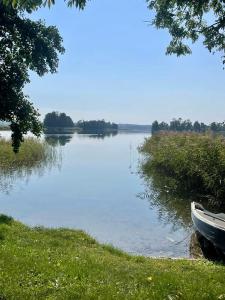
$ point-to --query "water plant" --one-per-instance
(194, 161)
(35, 156)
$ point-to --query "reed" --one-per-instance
(34, 157)
(31, 152)
(195, 161)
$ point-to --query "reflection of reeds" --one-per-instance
(172, 207)
(34, 157)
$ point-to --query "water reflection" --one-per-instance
(96, 191)
(172, 207)
(200, 247)
(100, 136)
(171, 198)
(58, 139)
(23, 170)
(60, 130)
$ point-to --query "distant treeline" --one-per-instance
(96, 126)
(56, 119)
(134, 128)
(187, 125)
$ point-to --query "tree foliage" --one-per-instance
(187, 21)
(96, 126)
(25, 45)
(55, 119)
(34, 4)
(187, 125)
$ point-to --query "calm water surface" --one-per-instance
(96, 186)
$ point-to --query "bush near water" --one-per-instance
(195, 160)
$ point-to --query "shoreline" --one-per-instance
(42, 263)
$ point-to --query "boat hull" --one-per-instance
(215, 235)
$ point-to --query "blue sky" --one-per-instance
(115, 68)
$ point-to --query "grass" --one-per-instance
(195, 161)
(32, 152)
(39, 263)
(35, 156)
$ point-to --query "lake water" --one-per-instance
(96, 186)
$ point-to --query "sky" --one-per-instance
(115, 68)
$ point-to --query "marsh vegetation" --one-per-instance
(190, 163)
(35, 156)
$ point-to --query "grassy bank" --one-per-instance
(195, 161)
(43, 263)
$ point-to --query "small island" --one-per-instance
(96, 127)
(56, 122)
(59, 123)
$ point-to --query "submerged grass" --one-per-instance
(195, 161)
(39, 263)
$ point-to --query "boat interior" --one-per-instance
(219, 218)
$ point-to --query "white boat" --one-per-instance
(209, 225)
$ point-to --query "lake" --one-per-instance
(96, 185)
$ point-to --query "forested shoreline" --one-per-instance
(187, 125)
(56, 121)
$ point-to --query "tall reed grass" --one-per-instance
(32, 151)
(195, 161)
(35, 156)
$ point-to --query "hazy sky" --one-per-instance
(115, 68)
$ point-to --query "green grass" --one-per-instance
(39, 263)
